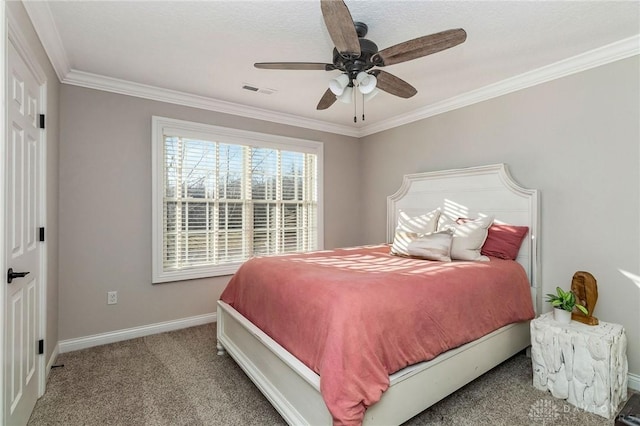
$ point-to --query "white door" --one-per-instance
(22, 247)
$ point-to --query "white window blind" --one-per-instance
(229, 195)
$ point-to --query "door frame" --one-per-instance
(13, 34)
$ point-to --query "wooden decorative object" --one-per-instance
(585, 288)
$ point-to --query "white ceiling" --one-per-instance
(208, 48)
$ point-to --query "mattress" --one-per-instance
(356, 315)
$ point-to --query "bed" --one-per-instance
(294, 389)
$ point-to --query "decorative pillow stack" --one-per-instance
(436, 236)
(429, 246)
(468, 237)
(417, 237)
(504, 241)
(422, 224)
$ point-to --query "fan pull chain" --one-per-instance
(355, 120)
(363, 107)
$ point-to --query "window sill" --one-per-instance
(195, 273)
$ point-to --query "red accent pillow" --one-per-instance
(503, 241)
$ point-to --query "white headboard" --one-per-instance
(486, 190)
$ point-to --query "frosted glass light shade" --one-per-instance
(370, 95)
(347, 95)
(338, 84)
(366, 82)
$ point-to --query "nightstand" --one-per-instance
(586, 365)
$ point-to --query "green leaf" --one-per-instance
(583, 309)
(565, 300)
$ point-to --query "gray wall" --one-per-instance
(576, 139)
(105, 210)
(16, 9)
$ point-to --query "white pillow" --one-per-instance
(431, 246)
(422, 224)
(468, 237)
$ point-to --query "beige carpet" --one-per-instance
(176, 378)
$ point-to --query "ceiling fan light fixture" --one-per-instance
(337, 85)
(347, 95)
(355, 56)
(366, 82)
(368, 96)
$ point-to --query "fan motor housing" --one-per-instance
(353, 66)
(361, 29)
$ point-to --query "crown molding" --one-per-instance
(610, 53)
(124, 87)
(19, 41)
(42, 20)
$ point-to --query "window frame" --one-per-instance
(163, 125)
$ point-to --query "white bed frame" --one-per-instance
(294, 389)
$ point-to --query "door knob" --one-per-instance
(11, 275)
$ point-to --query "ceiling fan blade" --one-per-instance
(327, 100)
(394, 85)
(294, 66)
(340, 25)
(422, 46)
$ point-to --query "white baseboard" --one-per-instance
(634, 382)
(52, 360)
(78, 343)
(42, 387)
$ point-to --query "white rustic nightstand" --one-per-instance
(586, 365)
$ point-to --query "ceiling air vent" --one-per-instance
(252, 88)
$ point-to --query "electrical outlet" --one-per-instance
(112, 297)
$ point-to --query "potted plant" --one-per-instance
(564, 302)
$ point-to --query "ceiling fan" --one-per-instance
(355, 56)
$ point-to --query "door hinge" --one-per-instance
(41, 230)
(40, 347)
(42, 121)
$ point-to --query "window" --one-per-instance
(223, 195)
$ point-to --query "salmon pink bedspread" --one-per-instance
(356, 315)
